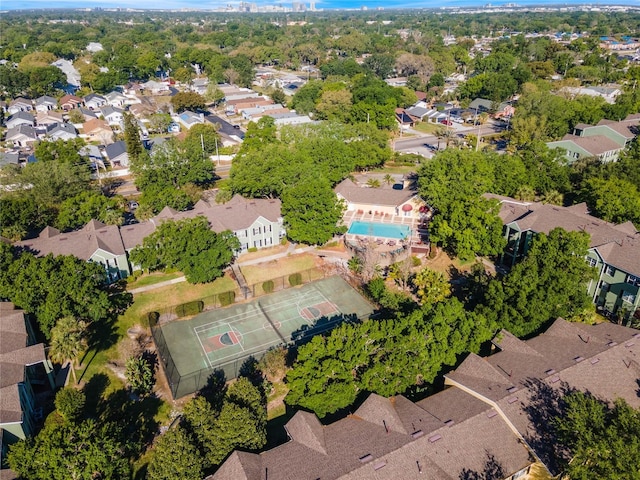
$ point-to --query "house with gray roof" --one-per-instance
(46, 103)
(188, 119)
(257, 223)
(604, 141)
(115, 99)
(113, 115)
(60, 131)
(20, 118)
(23, 364)
(117, 154)
(614, 250)
(94, 101)
(20, 104)
(397, 199)
(95, 242)
(22, 136)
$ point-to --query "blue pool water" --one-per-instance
(373, 229)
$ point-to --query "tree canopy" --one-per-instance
(549, 283)
(387, 357)
(190, 246)
(54, 287)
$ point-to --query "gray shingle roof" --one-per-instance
(595, 145)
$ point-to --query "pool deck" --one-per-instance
(389, 219)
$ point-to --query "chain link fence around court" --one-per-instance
(181, 385)
(224, 299)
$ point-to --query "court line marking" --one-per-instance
(273, 307)
(206, 355)
(259, 347)
(285, 304)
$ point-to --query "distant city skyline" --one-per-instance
(319, 5)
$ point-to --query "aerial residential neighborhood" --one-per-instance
(264, 242)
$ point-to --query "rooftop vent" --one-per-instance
(555, 379)
(491, 413)
(379, 465)
(551, 371)
(629, 344)
(512, 389)
(612, 344)
(449, 423)
(435, 438)
(417, 434)
(594, 360)
(513, 400)
(578, 359)
(367, 458)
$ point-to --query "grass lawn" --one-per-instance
(430, 128)
(95, 361)
(278, 268)
(392, 168)
(152, 279)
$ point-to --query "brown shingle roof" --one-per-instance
(619, 245)
(413, 441)
(353, 193)
(595, 144)
(601, 359)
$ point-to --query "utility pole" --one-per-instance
(478, 136)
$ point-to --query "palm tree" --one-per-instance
(553, 197)
(68, 342)
(526, 193)
(373, 183)
(440, 133)
(388, 179)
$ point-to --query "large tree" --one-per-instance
(386, 357)
(175, 456)
(311, 211)
(549, 283)
(602, 439)
(54, 287)
(190, 246)
(77, 211)
(61, 451)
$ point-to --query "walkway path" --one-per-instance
(292, 250)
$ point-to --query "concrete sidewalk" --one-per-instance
(292, 250)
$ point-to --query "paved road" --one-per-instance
(416, 144)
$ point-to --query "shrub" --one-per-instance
(295, 279)
(415, 261)
(139, 374)
(252, 249)
(189, 308)
(227, 298)
(268, 286)
(70, 403)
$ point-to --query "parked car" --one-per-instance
(446, 122)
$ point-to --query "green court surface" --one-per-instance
(225, 337)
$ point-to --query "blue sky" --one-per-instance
(213, 4)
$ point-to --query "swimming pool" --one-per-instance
(385, 230)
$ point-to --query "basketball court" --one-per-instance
(224, 338)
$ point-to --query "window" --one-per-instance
(257, 231)
(609, 270)
(592, 261)
(628, 297)
(633, 280)
(604, 286)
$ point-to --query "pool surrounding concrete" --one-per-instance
(381, 230)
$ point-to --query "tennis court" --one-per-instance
(224, 338)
